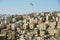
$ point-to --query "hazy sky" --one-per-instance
(23, 6)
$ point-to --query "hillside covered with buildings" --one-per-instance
(34, 26)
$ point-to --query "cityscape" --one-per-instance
(29, 19)
(33, 26)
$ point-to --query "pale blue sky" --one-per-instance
(23, 6)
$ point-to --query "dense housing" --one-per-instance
(34, 26)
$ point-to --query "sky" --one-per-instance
(23, 6)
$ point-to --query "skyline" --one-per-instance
(23, 6)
